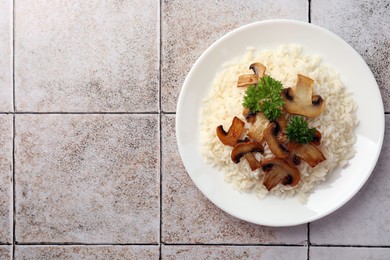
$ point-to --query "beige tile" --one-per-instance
(86, 252)
(365, 25)
(86, 55)
(234, 252)
(87, 178)
(6, 179)
(331, 253)
(188, 217)
(364, 220)
(5, 252)
(189, 27)
(6, 81)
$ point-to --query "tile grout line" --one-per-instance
(13, 188)
(160, 171)
(160, 120)
(234, 245)
(13, 135)
(80, 113)
(88, 113)
(196, 245)
(85, 244)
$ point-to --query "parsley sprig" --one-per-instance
(298, 130)
(265, 97)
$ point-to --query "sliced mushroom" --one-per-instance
(251, 79)
(279, 171)
(281, 137)
(317, 138)
(270, 136)
(253, 163)
(247, 80)
(258, 69)
(307, 152)
(293, 160)
(256, 130)
(235, 131)
(243, 148)
(249, 115)
(300, 101)
(281, 120)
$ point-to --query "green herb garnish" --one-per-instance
(265, 97)
(298, 130)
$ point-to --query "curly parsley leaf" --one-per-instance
(298, 130)
(265, 97)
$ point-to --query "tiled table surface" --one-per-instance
(88, 93)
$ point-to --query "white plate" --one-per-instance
(343, 184)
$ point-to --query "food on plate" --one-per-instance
(246, 147)
(279, 171)
(288, 142)
(249, 79)
(264, 96)
(290, 122)
(299, 99)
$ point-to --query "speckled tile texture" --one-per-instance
(364, 220)
(6, 81)
(6, 179)
(189, 217)
(86, 55)
(189, 27)
(89, 164)
(230, 252)
(329, 253)
(86, 252)
(365, 25)
(5, 252)
(87, 178)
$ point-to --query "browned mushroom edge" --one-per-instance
(279, 171)
(270, 136)
(252, 79)
(300, 101)
(235, 131)
(242, 148)
(293, 160)
(317, 138)
(253, 163)
(250, 116)
(258, 69)
(247, 80)
(307, 152)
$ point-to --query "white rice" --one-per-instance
(336, 124)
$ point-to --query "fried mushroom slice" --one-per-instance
(300, 101)
(293, 160)
(279, 171)
(270, 136)
(235, 131)
(243, 148)
(247, 80)
(258, 69)
(307, 152)
(317, 138)
(249, 115)
(251, 79)
(253, 163)
(256, 130)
